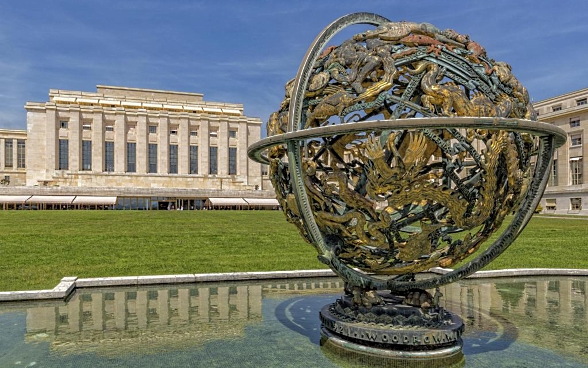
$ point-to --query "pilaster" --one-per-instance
(75, 139)
(98, 141)
(163, 144)
(120, 147)
(51, 141)
(2, 153)
(142, 142)
(184, 146)
(242, 144)
(203, 149)
(223, 148)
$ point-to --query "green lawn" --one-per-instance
(38, 248)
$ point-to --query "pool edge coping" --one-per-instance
(69, 284)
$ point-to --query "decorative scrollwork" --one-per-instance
(397, 201)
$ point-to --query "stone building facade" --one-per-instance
(133, 142)
(12, 157)
(567, 191)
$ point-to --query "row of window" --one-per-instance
(63, 124)
(579, 102)
(575, 204)
(131, 159)
(576, 171)
(20, 153)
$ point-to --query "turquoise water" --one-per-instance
(513, 323)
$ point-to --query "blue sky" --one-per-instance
(244, 51)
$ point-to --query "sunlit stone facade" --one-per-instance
(130, 137)
(567, 190)
(12, 157)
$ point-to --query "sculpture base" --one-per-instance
(392, 334)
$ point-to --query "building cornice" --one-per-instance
(6, 132)
(552, 100)
(574, 110)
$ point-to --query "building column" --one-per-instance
(98, 142)
(204, 146)
(120, 147)
(2, 153)
(242, 159)
(254, 168)
(75, 139)
(51, 146)
(142, 143)
(15, 153)
(223, 148)
(184, 145)
(163, 144)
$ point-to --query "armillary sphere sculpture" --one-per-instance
(402, 149)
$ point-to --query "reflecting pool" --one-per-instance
(510, 322)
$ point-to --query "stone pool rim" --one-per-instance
(68, 285)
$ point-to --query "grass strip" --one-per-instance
(38, 248)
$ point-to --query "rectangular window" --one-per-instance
(153, 158)
(232, 161)
(213, 161)
(556, 108)
(576, 204)
(582, 101)
(576, 170)
(574, 123)
(173, 132)
(86, 155)
(193, 159)
(553, 180)
(8, 147)
(109, 156)
(131, 157)
(213, 134)
(63, 154)
(152, 129)
(63, 124)
(264, 170)
(110, 128)
(20, 153)
(173, 158)
(194, 133)
(550, 204)
(87, 126)
(232, 133)
(575, 140)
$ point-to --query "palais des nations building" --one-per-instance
(147, 149)
(132, 148)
